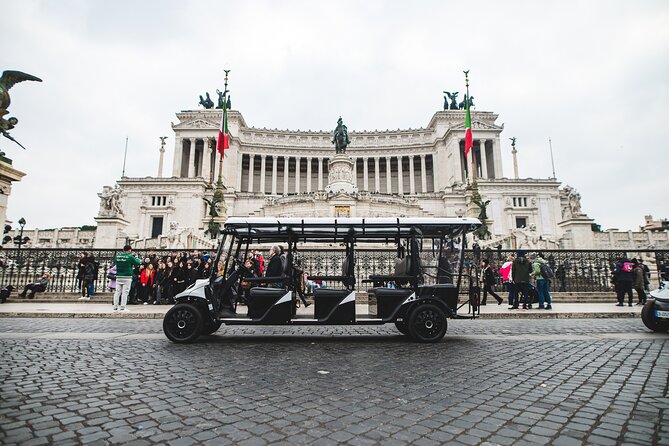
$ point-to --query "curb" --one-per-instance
(544, 315)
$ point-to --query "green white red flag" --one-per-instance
(223, 136)
(469, 139)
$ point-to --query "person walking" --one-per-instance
(623, 278)
(638, 282)
(488, 281)
(505, 271)
(125, 264)
(543, 282)
(520, 274)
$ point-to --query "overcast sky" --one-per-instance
(593, 76)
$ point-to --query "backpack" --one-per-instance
(627, 267)
(546, 271)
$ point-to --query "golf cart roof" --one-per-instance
(341, 229)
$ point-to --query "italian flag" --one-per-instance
(469, 141)
(223, 137)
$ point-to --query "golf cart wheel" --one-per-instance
(650, 320)
(183, 323)
(402, 327)
(427, 323)
(211, 328)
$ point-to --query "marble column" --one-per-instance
(251, 161)
(286, 163)
(320, 173)
(423, 174)
(389, 177)
(400, 176)
(191, 158)
(484, 161)
(178, 157)
(298, 161)
(275, 165)
(263, 165)
(308, 174)
(206, 160)
(377, 177)
(355, 171)
(365, 173)
(240, 157)
(412, 180)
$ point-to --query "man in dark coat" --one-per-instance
(623, 278)
(275, 267)
(520, 275)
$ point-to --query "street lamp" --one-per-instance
(20, 240)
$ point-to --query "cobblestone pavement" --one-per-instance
(561, 382)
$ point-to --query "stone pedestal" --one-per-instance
(340, 175)
(7, 176)
(577, 231)
(110, 232)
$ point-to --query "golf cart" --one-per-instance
(418, 292)
(655, 312)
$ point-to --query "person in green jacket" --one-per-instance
(125, 264)
(543, 283)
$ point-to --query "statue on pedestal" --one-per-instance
(573, 207)
(110, 202)
(341, 140)
(206, 103)
(482, 232)
(454, 100)
(7, 81)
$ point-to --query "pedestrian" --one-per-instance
(542, 276)
(646, 275)
(638, 282)
(88, 278)
(520, 273)
(488, 280)
(125, 263)
(146, 279)
(179, 277)
(111, 276)
(623, 278)
(505, 271)
(159, 283)
(664, 270)
(81, 269)
(169, 283)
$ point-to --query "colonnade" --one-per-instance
(281, 174)
(196, 157)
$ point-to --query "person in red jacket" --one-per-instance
(146, 279)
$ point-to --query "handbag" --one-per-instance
(111, 276)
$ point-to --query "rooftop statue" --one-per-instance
(341, 137)
(7, 81)
(454, 100)
(221, 98)
(463, 105)
(206, 103)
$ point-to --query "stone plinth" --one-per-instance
(110, 232)
(7, 176)
(577, 231)
(340, 175)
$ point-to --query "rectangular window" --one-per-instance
(521, 222)
(342, 211)
(156, 226)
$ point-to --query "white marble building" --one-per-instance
(413, 172)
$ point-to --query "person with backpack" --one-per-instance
(542, 272)
(623, 279)
(505, 271)
(125, 263)
(520, 274)
(638, 282)
(88, 278)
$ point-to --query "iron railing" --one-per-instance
(575, 270)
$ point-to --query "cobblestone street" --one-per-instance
(561, 382)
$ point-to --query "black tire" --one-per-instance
(427, 323)
(211, 328)
(649, 319)
(183, 323)
(402, 327)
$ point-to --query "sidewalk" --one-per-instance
(100, 310)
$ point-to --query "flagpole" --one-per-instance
(550, 145)
(219, 183)
(125, 155)
(473, 163)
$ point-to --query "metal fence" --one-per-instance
(575, 270)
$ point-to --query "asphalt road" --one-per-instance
(561, 382)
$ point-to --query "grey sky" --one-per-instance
(593, 76)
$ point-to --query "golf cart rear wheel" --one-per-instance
(183, 323)
(427, 323)
(650, 320)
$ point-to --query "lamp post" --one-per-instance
(20, 240)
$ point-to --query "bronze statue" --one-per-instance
(454, 98)
(206, 103)
(213, 227)
(463, 105)
(228, 105)
(7, 81)
(221, 98)
(482, 232)
(341, 137)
